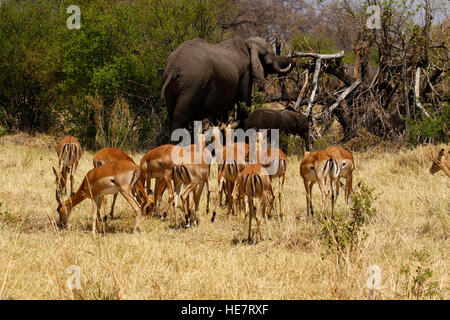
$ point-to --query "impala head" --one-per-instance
(438, 162)
(62, 211)
(147, 202)
(351, 191)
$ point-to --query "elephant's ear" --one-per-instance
(257, 68)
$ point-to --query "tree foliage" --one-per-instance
(50, 75)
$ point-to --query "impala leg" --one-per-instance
(261, 211)
(258, 216)
(208, 194)
(229, 191)
(219, 198)
(311, 184)
(167, 184)
(161, 189)
(338, 183)
(249, 203)
(105, 216)
(99, 224)
(136, 207)
(333, 196)
(307, 192)
(184, 196)
(175, 203)
(321, 182)
(271, 201)
(281, 184)
(111, 214)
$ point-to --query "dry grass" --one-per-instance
(410, 229)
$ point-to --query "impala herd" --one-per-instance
(241, 177)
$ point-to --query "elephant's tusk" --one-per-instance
(285, 69)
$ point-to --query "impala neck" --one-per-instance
(74, 200)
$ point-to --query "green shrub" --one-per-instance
(344, 231)
(431, 130)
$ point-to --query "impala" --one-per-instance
(69, 154)
(107, 155)
(216, 132)
(315, 167)
(254, 182)
(119, 176)
(228, 171)
(346, 164)
(157, 163)
(439, 163)
(194, 176)
(275, 161)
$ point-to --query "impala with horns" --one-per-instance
(118, 176)
(107, 155)
(254, 182)
(315, 167)
(439, 163)
(69, 154)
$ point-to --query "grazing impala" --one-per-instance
(107, 155)
(69, 154)
(194, 176)
(346, 164)
(119, 176)
(439, 163)
(157, 164)
(315, 167)
(275, 161)
(228, 171)
(254, 182)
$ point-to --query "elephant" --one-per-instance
(203, 80)
(287, 121)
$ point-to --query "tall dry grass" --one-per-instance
(407, 238)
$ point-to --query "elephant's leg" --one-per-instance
(182, 115)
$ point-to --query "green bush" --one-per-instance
(343, 232)
(48, 72)
(431, 130)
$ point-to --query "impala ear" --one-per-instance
(441, 153)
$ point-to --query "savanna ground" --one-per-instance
(407, 238)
